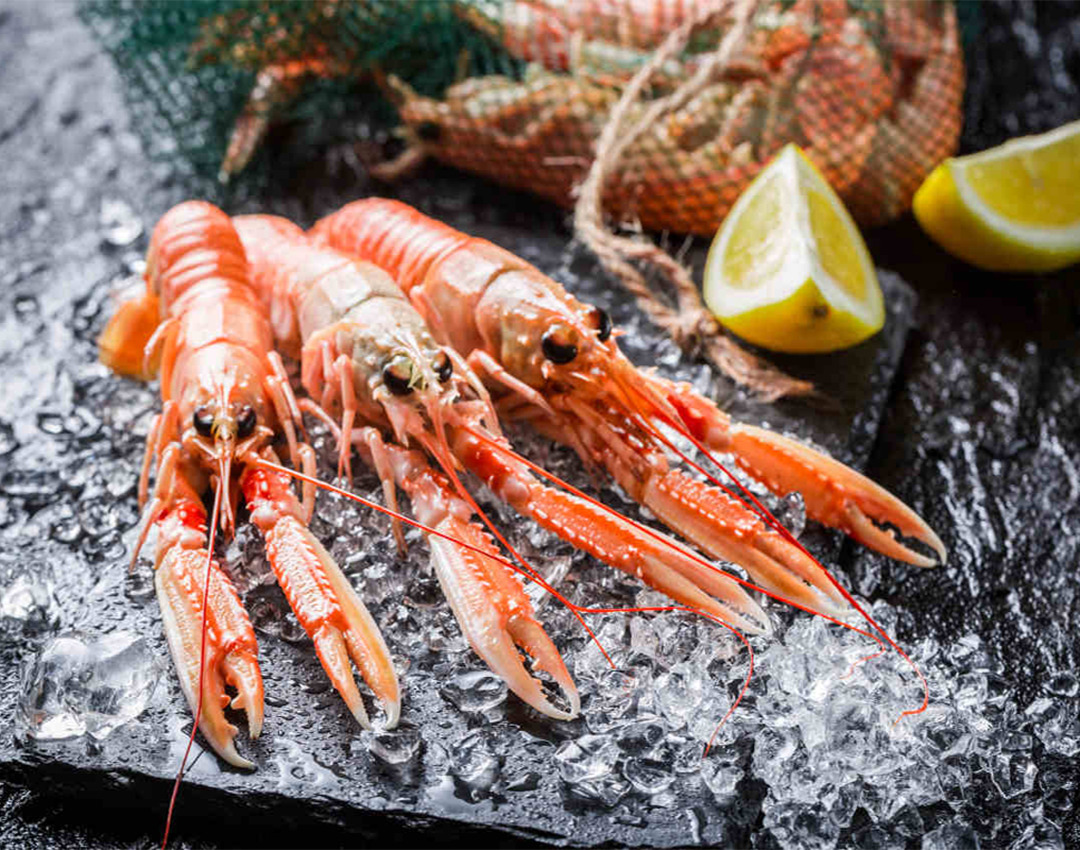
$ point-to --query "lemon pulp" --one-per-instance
(788, 269)
(1015, 207)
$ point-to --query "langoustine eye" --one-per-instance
(602, 322)
(443, 366)
(557, 345)
(203, 420)
(398, 375)
(245, 422)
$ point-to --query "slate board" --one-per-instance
(55, 299)
(979, 433)
(310, 770)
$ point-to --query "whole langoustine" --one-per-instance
(225, 397)
(370, 360)
(556, 364)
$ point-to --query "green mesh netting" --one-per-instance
(519, 91)
(189, 69)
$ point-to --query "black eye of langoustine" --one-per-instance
(556, 348)
(602, 321)
(443, 367)
(203, 420)
(397, 375)
(245, 422)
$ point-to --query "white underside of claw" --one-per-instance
(334, 616)
(182, 618)
(494, 635)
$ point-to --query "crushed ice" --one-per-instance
(821, 727)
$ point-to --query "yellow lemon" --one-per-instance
(1015, 207)
(788, 269)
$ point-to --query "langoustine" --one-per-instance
(557, 365)
(226, 396)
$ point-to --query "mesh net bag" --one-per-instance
(655, 113)
(520, 90)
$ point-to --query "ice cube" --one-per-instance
(647, 775)
(1013, 774)
(874, 837)
(791, 513)
(395, 747)
(28, 604)
(679, 692)
(721, 777)
(607, 790)
(954, 835)
(475, 692)
(1056, 725)
(78, 684)
(1063, 684)
(474, 762)
(794, 825)
(586, 758)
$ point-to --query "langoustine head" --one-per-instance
(400, 373)
(562, 348)
(212, 341)
(542, 335)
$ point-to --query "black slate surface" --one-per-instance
(978, 433)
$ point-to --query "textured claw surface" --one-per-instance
(334, 617)
(495, 614)
(726, 529)
(834, 494)
(230, 653)
(324, 602)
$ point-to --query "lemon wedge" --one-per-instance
(1015, 207)
(788, 269)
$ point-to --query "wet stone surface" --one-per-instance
(971, 418)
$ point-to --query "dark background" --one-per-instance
(981, 428)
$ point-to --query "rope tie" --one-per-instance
(689, 322)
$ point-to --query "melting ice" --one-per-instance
(28, 603)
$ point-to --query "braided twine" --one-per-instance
(689, 322)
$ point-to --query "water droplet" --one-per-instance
(120, 225)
